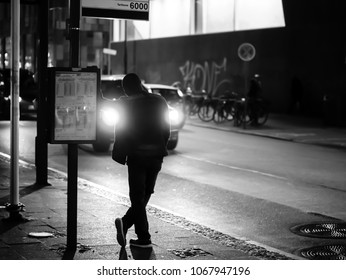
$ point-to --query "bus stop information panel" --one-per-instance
(73, 105)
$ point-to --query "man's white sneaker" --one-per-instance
(120, 232)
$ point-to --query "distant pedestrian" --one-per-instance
(141, 136)
(253, 98)
(297, 92)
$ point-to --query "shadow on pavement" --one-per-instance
(137, 253)
(23, 191)
(6, 223)
(142, 253)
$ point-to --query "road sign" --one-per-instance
(119, 9)
(246, 52)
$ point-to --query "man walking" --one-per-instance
(253, 95)
(141, 135)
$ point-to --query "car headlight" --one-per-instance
(109, 116)
(175, 116)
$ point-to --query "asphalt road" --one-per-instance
(249, 187)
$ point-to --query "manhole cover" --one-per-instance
(327, 252)
(322, 230)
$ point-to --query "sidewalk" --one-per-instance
(174, 237)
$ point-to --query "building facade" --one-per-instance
(310, 49)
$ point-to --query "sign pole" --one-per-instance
(15, 31)
(73, 120)
(72, 154)
(246, 53)
(15, 206)
(125, 47)
(41, 145)
(72, 196)
(246, 75)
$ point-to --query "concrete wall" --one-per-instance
(209, 62)
(312, 47)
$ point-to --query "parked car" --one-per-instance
(111, 90)
(28, 92)
(174, 98)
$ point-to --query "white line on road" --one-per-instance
(234, 167)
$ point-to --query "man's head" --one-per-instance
(132, 84)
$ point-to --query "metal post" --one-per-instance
(3, 51)
(15, 206)
(72, 196)
(111, 39)
(234, 15)
(75, 13)
(72, 164)
(246, 74)
(41, 146)
(125, 47)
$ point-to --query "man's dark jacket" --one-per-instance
(143, 128)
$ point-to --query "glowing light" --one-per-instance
(109, 116)
(175, 117)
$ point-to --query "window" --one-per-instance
(236, 15)
(170, 18)
(167, 18)
(252, 14)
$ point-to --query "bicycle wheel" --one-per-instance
(244, 118)
(238, 115)
(220, 116)
(262, 115)
(230, 110)
(193, 110)
(206, 112)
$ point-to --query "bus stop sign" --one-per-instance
(118, 9)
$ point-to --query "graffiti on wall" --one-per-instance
(207, 77)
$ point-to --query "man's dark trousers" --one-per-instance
(142, 174)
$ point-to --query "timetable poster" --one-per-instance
(75, 106)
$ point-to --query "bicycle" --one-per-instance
(247, 111)
(193, 104)
(207, 111)
(240, 116)
(225, 110)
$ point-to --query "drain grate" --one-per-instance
(321, 230)
(327, 252)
